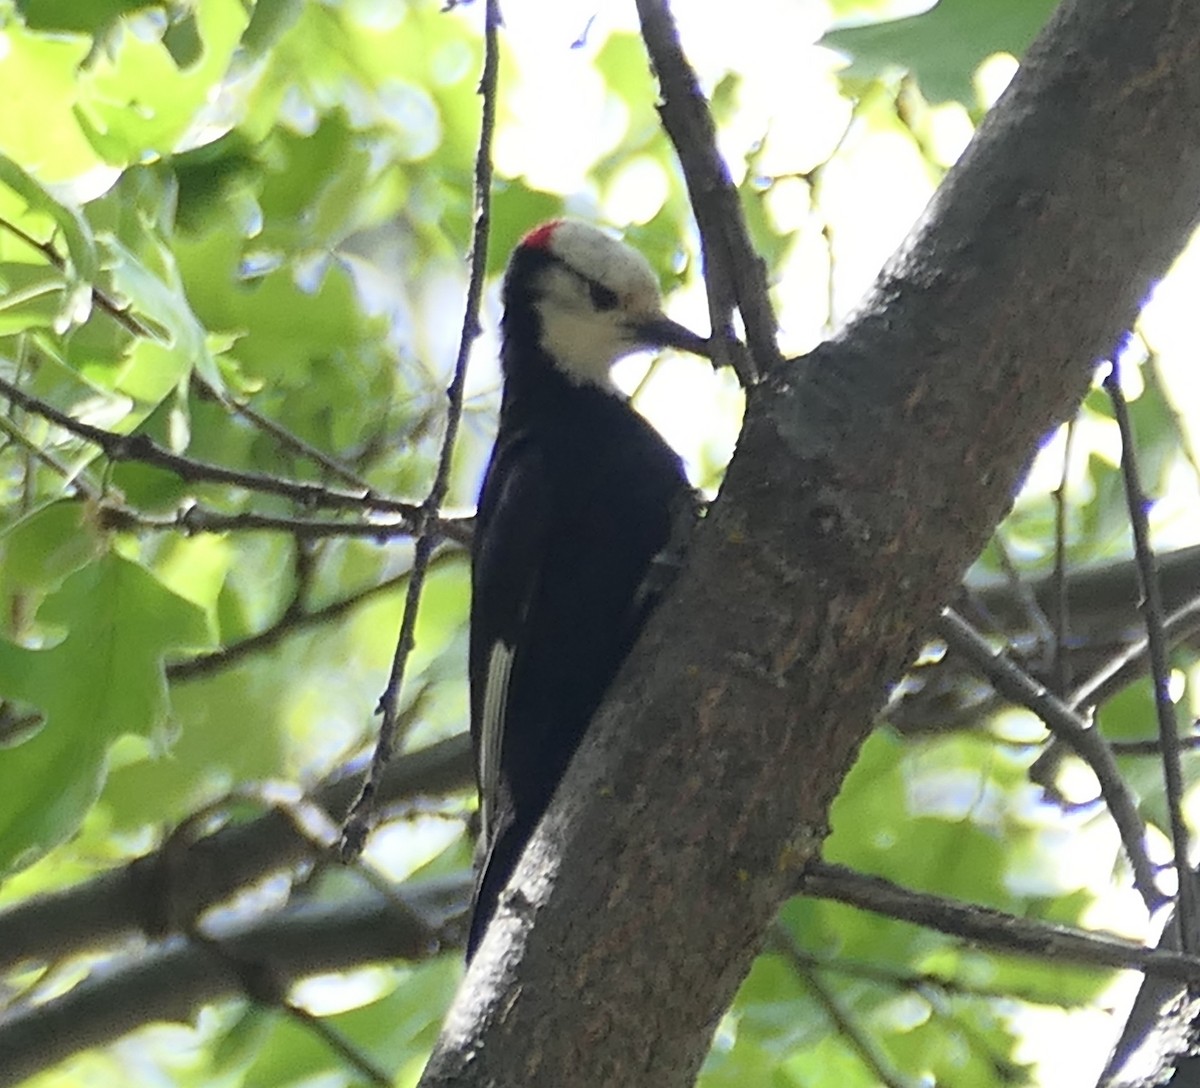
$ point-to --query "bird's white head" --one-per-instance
(595, 298)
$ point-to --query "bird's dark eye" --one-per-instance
(602, 297)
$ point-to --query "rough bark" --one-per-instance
(867, 478)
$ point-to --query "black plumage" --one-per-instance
(579, 498)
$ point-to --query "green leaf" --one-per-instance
(44, 69)
(31, 296)
(137, 100)
(516, 210)
(290, 330)
(945, 45)
(269, 21)
(43, 547)
(78, 235)
(160, 299)
(104, 680)
(71, 15)
(182, 39)
(622, 63)
(392, 1031)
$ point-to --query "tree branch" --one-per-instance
(993, 928)
(354, 833)
(865, 481)
(734, 273)
(286, 439)
(124, 317)
(1133, 660)
(172, 979)
(856, 1035)
(291, 621)
(1103, 608)
(1087, 743)
(170, 982)
(195, 518)
(142, 448)
(1152, 608)
(211, 869)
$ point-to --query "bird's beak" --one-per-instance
(661, 332)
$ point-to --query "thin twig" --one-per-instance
(1152, 373)
(260, 978)
(858, 1039)
(195, 518)
(219, 864)
(289, 623)
(74, 480)
(1062, 664)
(1187, 743)
(354, 832)
(922, 983)
(339, 1044)
(268, 987)
(281, 434)
(1153, 611)
(124, 317)
(1133, 660)
(1011, 681)
(169, 908)
(110, 306)
(171, 980)
(142, 448)
(1024, 592)
(991, 928)
(734, 272)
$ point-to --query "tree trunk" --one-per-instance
(868, 477)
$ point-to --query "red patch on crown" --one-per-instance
(541, 237)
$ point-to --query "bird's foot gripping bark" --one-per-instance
(667, 563)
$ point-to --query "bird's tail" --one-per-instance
(499, 860)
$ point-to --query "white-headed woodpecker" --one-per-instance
(579, 499)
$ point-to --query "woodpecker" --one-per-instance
(579, 500)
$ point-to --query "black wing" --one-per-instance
(508, 552)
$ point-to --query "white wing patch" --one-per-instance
(491, 735)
